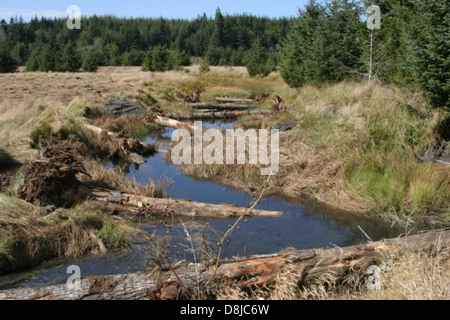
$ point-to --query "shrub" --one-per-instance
(204, 67)
(43, 131)
(92, 60)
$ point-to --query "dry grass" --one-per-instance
(32, 107)
(404, 276)
(30, 99)
(170, 90)
(415, 276)
(27, 238)
(114, 179)
(353, 148)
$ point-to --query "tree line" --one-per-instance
(48, 45)
(327, 42)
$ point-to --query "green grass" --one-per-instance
(430, 190)
(113, 236)
(383, 180)
(42, 131)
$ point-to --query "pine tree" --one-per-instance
(19, 53)
(429, 50)
(299, 61)
(257, 60)
(217, 37)
(215, 49)
(70, 60)
(323, 44)
(7, 63)
(92, 60)
(43, 58)
(156, 59)
(133, 58)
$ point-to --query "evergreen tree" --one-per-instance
(215, 53)
(43, 58)
(19, 53)
(92, 60)
(133, 58)
(7, 63)
(257, 60)
(217, 37)
(156, 59)
(70, 60)
(177, 59)
(323, 45)
(429, 49)
(299, 62)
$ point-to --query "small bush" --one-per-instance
(44, 131)
(92, 60)
(204, 67)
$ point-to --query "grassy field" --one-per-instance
(34, 106)
(354, 147)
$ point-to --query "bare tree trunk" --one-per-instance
(235, 100)
(216, 115)
(222, 106)
(116, 201)
(346, 264)
(172, 123)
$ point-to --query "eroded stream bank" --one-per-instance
(304, 225)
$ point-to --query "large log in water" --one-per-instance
(247, 272)
(216, 115)
(172, 123)
(235, 100)
(222, 106)
(115, 201)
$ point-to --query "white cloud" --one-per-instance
(27, 14)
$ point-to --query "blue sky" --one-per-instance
(149, 8)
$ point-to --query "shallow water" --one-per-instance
(303, 225)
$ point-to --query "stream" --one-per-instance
(303, 225)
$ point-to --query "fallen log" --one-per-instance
(216, 115)
(156, 115)
(221, 106)
(115, 201)
(172, 123)
(131, 150)
(234, 100)
(347, 264)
